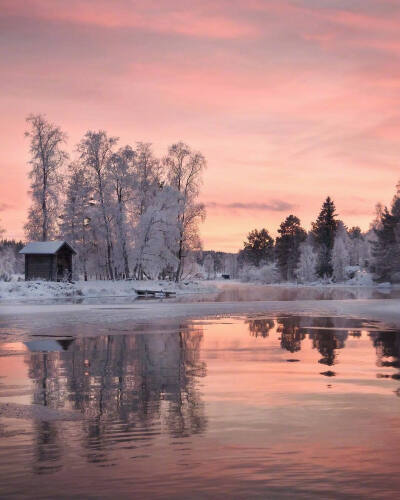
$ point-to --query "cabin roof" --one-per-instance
(45, 247)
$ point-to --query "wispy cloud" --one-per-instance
(272, 206)
(5, 206)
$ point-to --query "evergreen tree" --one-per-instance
(287, 246)
(324, 230)
(259, 248)
(386, 250)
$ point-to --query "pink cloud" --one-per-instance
(182, 20)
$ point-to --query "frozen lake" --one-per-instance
(270, 407)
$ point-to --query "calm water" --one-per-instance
(273, 408)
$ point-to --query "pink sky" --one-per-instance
(289, 100)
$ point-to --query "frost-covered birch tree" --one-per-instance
(306, 271)
(208, 265)
(47, 158)
(147, 176)
(156, 234)
(184, 169)
(76, 215)
(96, 149)
(340, 253)
(120, 176)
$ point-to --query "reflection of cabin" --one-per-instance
(49, 345)
(48, 260)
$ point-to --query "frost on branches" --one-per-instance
(125, 211)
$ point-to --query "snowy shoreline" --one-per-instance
(20, 291)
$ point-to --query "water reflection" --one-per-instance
(212, 409)
(328, 336)
(143, 384)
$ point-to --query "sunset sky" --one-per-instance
(288, 100)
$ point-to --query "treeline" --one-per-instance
(329, 251)
(125, 211)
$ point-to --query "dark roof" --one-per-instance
(45, 247)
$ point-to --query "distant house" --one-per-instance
(48, 260)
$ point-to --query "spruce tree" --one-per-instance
(287, 246)
(386, 250)
(324, 230)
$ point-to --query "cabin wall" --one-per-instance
(64, 264)
(39, 267)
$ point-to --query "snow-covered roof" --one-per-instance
(44, 247)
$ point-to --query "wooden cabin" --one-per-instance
(48, 260)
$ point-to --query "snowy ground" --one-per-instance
(31, 290)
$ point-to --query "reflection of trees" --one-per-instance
(291, 333)
(387, 344)
(47, 448)
(327, 340)
(130, 386)
(260, 327)
(327, 334)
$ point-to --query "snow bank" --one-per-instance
(31, 290)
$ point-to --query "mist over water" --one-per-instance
(260, 406)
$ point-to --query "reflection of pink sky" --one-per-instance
(288, 101)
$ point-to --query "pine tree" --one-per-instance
(324, 230)
(258, 249)
(386, 250)
(287, 246)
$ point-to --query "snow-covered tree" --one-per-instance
(184, 169)
(147, 176)
(208, 265)
(340, 253)
(47, 158)
(120, 176)
(96, 149)
(155, 236)
(359, 247)
(76, 216)
(306, 271)
(8, 263)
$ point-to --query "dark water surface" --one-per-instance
(286, 407)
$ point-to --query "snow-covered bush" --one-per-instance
(8, 264)
(306, 271)
(267, 274)
(358, 277)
